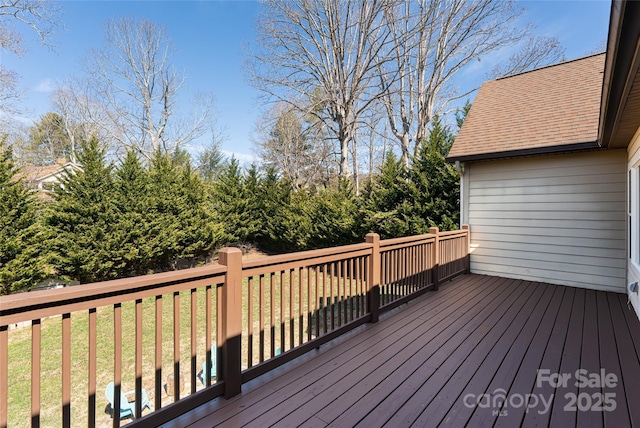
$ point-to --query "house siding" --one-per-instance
(559, 218)
(633, 269)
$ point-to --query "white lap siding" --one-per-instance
(559, 218)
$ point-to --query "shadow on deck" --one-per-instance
(481, 351)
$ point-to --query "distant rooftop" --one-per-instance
(553, 108)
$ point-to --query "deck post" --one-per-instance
(231, 326)
(435, 270)
(4, 375)
(373, 277)
(468, 249)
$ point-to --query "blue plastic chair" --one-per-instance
(213, 373)
(127, 408)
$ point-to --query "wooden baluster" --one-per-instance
(158, 353)
(177, 381)
(209, 353)
(66, 370)
(138, 362)
(250, 323)
(194, 339)
(92, 367)
(36, 341)
(117, 362)
(262, 326)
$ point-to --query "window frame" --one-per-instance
(633, 214)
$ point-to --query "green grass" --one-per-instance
(51, 350)
(51, 359)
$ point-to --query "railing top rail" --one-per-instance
(304, 256)
(407, 240)
(89, 295)
(453, 234)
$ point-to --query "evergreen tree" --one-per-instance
(180, 225)
(291, 224)
(434, 185)
(134, 254)
(231, 204)
(49, 140)
(210, 161)
(462, 113)
(200, 232)
(255, 203)
(333, 216)
(83, 219)
(21, 262)
(279, 214)
(385, 208)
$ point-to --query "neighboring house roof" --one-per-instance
(550, 109)
(35, 175)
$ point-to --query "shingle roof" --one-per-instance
(539, 110)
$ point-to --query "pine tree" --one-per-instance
(333, 216)
(279, 214)
(385, 208)
(134, 253)
(434, 185)
(21, 262)
(83, 218)
(180, 225)
(200, 232)
(231, 205)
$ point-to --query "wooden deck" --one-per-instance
(487, 340)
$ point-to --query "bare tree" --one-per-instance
(536, 52)
(83, 116)
(9, 91)
(139, 88)
(16, 136)
(323, 54)
(432, 41)
(294, 145)
(42, 17)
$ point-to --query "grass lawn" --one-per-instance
(51, 350)
(51, 357)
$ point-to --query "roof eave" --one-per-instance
(621, 67)
(534, 151)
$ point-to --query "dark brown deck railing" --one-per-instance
(261, 314)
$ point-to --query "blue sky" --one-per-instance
(210, 37)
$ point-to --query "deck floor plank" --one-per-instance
(395, 398)
(346, 377)
(315, 371)
(570, 362)
(265, 387)
(551, 360)
(506, 373)
(610, 363)
(629, 361)
(348, 411)
(590, 362)
(533, 354)
(476, 334)
(441, 409)
(514, 319)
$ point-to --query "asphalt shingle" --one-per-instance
(553, 106)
